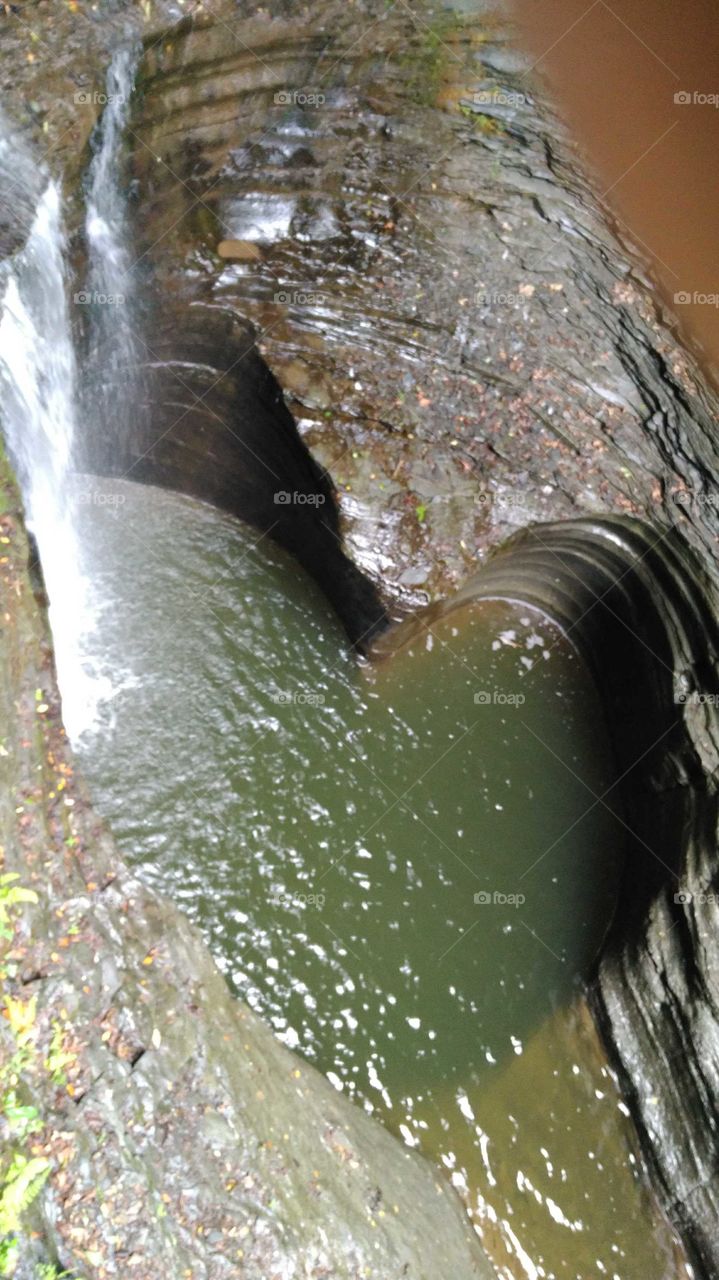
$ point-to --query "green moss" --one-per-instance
(58, 1057)
(205, 224)
(8, 489)
(484, 123)
(11, 895)
(488, 125)
(426, 61)
(50, 1271)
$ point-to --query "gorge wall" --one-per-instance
(469, 345)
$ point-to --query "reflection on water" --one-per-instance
(405, 870)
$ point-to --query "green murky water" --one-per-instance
(406, 870)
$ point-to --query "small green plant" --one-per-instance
(49, 1271)
(484, 123)
(58, 1057)
(22, 1176)
(11, 895)
(22, 1182)
(426, 60)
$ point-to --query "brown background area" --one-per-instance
(615, 69)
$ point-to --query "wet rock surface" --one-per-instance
(180, 1137)
(464, 342)
(469, 345)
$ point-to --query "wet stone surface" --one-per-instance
(464, 343)
(464, 339)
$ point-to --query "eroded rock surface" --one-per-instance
(469, 345)
(466, 344)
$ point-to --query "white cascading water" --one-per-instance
(113, 346)
(40, 399)
(38, 379)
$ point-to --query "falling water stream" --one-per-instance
(406, 871)
(38, 379)
(43, 394)
(114, 347)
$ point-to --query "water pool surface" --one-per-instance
(407, 870)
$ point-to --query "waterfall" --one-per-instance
(38, 381)
(111, 390)
(41, 400)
